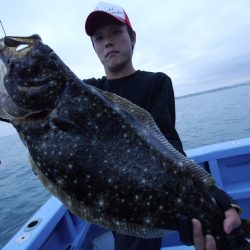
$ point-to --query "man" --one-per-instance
(113, 40)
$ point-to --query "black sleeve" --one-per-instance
(94, 82)
(163, 110)
(90, 81)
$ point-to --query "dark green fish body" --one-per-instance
(101, 155)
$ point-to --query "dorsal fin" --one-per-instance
(146, 118)
(140, 113)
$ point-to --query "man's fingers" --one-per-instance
(232, 220)
(199, 240)
(210, 242)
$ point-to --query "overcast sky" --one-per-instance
(200, 44)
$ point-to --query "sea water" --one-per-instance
(202, 119)
(215, 116)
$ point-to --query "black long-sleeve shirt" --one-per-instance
(151, 91)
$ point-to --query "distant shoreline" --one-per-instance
(212, 90)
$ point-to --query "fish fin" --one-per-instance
(131, 108)
(146, 118)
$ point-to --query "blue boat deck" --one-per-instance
(54, 227)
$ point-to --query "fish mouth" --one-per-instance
(12, 47)
(19, 90)
(17, 46)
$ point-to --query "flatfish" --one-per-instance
(101, 155)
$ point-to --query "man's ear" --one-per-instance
(133, 40)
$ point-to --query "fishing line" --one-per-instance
(3, 28)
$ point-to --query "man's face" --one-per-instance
(113, 46)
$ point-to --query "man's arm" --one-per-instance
(163, 110)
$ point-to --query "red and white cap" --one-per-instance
(104, 11)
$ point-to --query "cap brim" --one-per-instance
(96, 19)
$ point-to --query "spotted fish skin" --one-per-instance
(101, 155)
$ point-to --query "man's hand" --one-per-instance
(232, 220)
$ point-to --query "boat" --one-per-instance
(54, 227)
